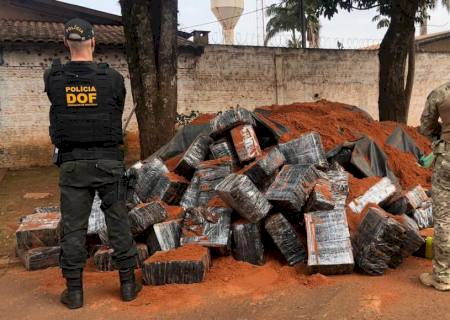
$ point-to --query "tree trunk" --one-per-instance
(150, 29)
(424, 24)
(411, 72)
(393, 99)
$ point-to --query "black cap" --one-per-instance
(78, 30)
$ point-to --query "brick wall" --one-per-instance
(223, 77)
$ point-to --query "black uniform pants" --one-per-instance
(78, 182)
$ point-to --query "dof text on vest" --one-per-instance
(84, 111)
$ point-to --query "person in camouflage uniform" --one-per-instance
(438, 107)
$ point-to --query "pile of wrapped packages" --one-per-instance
(234, 187)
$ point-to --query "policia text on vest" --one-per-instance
(81, 96)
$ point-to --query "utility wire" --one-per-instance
(216, 21)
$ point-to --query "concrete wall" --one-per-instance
(436, 46)
(223, 77)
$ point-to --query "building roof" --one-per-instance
(421, 40)
(53, 32)
(55, 11)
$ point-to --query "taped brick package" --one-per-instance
(286, 238)
(230, 119)
(239, 192)
(196, 153)
(145, 215)
(263, 171)
(247, 242)
(305, 150)
(329, 245)
(245, 143)
(164, 236)
(291, 188)
(187, 264)
(208, 227)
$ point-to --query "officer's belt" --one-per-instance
(83, 154)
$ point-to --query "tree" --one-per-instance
(150, 28)
(393, 100)
(285, 17)
(424, 24)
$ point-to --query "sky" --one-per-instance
(354, 30)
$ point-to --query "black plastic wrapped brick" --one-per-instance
(142, 255)
(180, 265)
(47, 209)
(195, 154)
(209, 227)
(145, 215)
(210, 174)
(169, 188)
(321, 198)
(223, 148)
(103, 259)
(245, 143)
(247, 242)
(423, 215)
(305, 150)
(40, 258)
(229, 120)
(38, 230)
(378, 240)
(286, 239)
(291, 187)
(338, 178)
(329, 245)
(164, 236)
(263, 170)
(147, 175)
(239, 192)
(412, 243)
(190, 197)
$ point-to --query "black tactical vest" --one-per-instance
(84, 112)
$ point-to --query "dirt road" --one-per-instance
(270, 292)
(232, 290)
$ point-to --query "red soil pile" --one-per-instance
(203, 118)
(172, 162)
(188, 252)
(174, 212)
(338, 123)
(176, 178)
(359, 186)
(405, 167)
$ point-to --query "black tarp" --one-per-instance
(267, 131)
(363, 158)
(400, 140)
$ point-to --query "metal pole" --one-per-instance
(257, 24)
(263, 22)
(303, 22)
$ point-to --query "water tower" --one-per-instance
(227, 13)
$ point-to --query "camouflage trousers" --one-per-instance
(441, 215)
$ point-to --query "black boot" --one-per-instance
(72, 297)
(129, 288)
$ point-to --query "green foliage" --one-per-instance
(285, 17)
(422, 17)
(330, 7)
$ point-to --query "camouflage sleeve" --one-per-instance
(429, 122)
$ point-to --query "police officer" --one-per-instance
(438, 107)
(87, 101)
